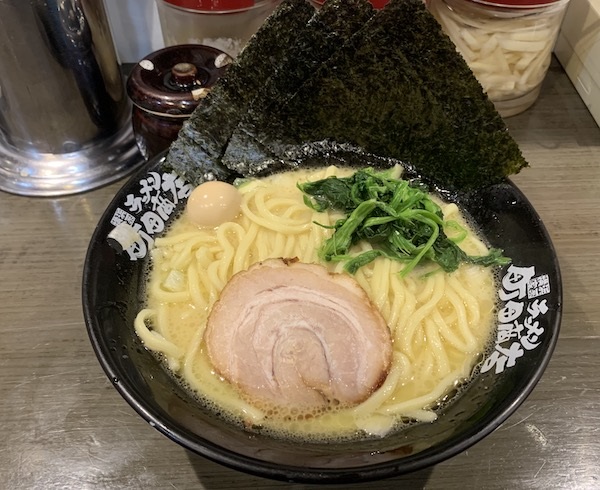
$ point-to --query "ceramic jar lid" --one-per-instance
(171, 82)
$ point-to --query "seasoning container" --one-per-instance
(507, 43)
(165, 88)
(223, 24)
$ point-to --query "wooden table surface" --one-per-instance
(63, 425)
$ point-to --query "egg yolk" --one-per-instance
(213, 202)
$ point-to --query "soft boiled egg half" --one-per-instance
(213, 202)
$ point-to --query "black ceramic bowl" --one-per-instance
(113, 285)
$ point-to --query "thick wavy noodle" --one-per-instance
(440, 323)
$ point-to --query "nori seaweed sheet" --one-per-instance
(196, 154)
(367, 94)
(312, 46)
(397, 89)
(329, 28)
(389, 88)
(465, 104)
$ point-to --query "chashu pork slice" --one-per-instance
(291, 334)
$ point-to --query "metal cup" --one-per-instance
(64, 114)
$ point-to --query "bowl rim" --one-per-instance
(302, 474)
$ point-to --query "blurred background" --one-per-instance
(137, 31)
(136, 28)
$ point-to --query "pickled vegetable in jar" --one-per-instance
(507, 44)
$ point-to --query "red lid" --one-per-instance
(378, 4)
(516, 3)
(210, 5)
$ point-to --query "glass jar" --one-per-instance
(224, 24)
(507, 44)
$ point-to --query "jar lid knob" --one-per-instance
(184, 74)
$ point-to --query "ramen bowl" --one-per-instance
(529, 297)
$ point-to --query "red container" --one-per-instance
(224, 24)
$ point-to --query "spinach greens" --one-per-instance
(397, 217)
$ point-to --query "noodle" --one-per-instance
(439, 322)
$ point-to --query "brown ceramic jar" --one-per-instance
(165, 88)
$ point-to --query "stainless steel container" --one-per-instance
(64, 114)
